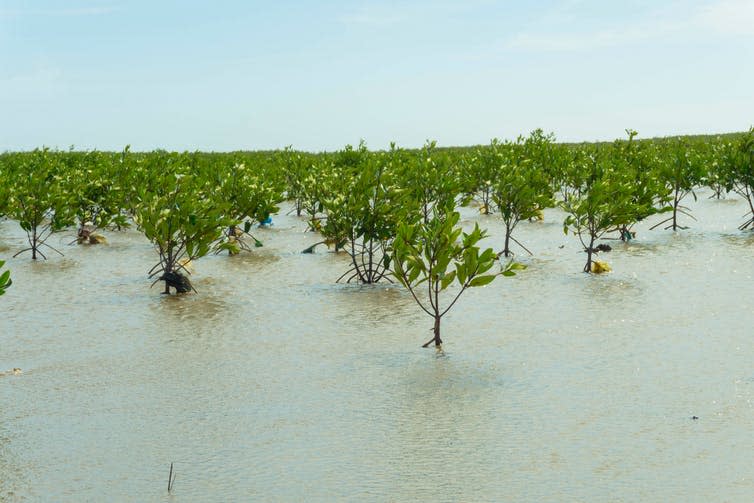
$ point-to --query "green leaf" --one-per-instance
(482, 280)
(447, 280)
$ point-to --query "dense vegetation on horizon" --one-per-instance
(393, 212)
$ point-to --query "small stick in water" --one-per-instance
(171, 478)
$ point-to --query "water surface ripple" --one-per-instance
(275, 384)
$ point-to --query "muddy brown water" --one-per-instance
(275, 384)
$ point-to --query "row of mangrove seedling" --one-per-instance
(393, 212)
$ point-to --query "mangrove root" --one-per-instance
(178, 281)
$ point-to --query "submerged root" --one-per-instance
(178, 281)
(601, 248)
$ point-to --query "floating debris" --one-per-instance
(599, 267)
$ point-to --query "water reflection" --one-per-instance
(201, 309)
(373, 304)
(608, 291)
(744, 239)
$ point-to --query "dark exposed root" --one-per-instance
(176, 280)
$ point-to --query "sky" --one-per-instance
(317, 75)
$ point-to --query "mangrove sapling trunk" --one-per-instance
(677, 208)
(37, 238)
(436, 335)
(589, 251)
(506, 251)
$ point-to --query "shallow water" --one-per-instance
(275, 384)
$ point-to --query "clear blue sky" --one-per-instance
(224, 75)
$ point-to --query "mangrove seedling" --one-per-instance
(96, 197)
(368, 210)
(638, 160)
(429, 256)
(681, 171)
(603, 203)
(250, 198)
(37, 200)
(183, 223)
(520, 190)
(740, 169)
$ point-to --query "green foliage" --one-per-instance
(295, 167)
(477, 172)
(315, 189)
(183, 222)
(739, 163)
(37, 198)
(96, 197)
(430, 256)
(649, 194)
(193, 203)
(603, 203)
(5, 280)
(432, 181)
(250, 196)
(521, 189)
(365, 210)
(681, 169)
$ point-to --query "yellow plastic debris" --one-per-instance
(599, 267)
(97, 239)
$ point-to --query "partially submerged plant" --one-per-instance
(430, 256)
(520, 191)
(367, 213)
(96, 196)
(295, 166)
(250, 198)
(604, 203)
(681, 170)
(183, 223)
(740, 169)
(649, 194)
(38, 201)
